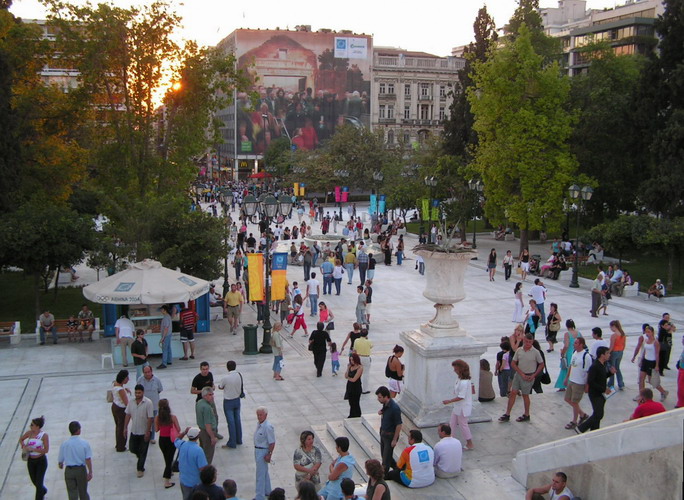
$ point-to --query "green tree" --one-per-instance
(660, 117)
(523, 126)
(603, 137)
(41, 238)
(527, 14)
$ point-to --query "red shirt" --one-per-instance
(647, 409)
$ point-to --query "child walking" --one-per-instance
(334, 358)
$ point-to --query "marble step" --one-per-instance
(337, 429)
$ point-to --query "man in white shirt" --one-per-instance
(538, 293)
(124, 329)
(576, 380)
(140, 414)
(448, 454)
(599, 341)
(232, 386)
(313, 290)
(415, 468)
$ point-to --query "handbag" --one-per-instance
(544, 377)
(24, 454)
(564, 363)
(554, 327)
(110, 396)
(242, 387)
(330, 326)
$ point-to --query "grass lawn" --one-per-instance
(645, 269)
(17, 299)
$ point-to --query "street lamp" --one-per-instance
(431, 182)
(342, 174)
(285, 205)
(249, 205)
(228, 200)
(378, 177)
(579, 194)
(477, 187)
(270, 209)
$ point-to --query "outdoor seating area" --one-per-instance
(11, 330)
(61, 325)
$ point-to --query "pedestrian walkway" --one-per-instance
(65, 382)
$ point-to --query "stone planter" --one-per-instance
(430, 350)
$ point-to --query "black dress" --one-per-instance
(353, 395)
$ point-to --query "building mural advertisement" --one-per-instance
(309, 84)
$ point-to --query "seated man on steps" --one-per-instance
(558, 489)
(415, 468)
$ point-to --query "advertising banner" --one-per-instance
(381, 204)
(425, 209)
(255, 270)
(373, 204)
(278, 276)
(337, 194)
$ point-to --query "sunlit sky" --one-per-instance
(433, 26)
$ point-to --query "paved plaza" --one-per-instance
(66, 382)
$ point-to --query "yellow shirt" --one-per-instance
(363, 346)
(233, 298)
(350, 258)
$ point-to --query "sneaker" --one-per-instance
(141, 473)
(663, 396)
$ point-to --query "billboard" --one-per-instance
(308, 84)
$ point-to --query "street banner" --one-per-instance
(338, 198)
(255, 269)
(296, 188)
(381, 204)
(425, 209)
(278, 275)
(373, 202)
(435, 210)
(345, 194)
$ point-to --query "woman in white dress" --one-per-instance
(463, 402)
(518, 312)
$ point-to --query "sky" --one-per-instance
(433, 26)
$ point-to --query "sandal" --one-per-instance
(522, 418)
(571, 425)
(504, 418)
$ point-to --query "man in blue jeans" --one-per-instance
(165, 342)
(327, 271)
(232, 386)
(313, 289)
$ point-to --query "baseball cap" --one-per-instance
(193, 433)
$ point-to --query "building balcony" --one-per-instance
(387, 97)
(425, 98)
(387, 121)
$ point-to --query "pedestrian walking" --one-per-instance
(140, 414)
(166, 424)
(463, 402)
(264, 445)
(120, 395)
(76, 456)
(36, 444)
(318, 344)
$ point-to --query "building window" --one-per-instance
(442, 91)
(442, 113)
(407, 137)
(282, 53)
(390, 137)
(407, 112)
(382, 111)
(424, 112)
(390, 88)
(407, 89)
(383, 88)
(424, 89)
(390, 111)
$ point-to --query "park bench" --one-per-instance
(583, 259)
(61, 325)
(11, 330)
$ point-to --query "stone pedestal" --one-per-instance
(430, 350)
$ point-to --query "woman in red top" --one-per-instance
(167, 426)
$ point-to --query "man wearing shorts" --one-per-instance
(576, 380)
(188, 318)
(527, 363)
(233, 302)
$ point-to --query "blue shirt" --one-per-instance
(264, 435)
(391, 417)
(327, 268)
(191, 459)
(74, 452)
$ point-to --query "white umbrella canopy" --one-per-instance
(146, 282)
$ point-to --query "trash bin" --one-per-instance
(250, 340)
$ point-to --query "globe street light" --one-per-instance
(579, 194)
(477, 187)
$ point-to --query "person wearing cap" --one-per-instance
(657, 289)
(191, 459)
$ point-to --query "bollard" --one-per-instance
(250, 340)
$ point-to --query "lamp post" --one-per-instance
(431, 182)
(579, 194)
(378, 177)
(228, 199)
(270, 209)
(477, 187)
(341, 174)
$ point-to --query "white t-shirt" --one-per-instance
(463, 389)
(231, 384)
(578, 375)
(125, 326)
(422, 459)
(537, 293)
(596, 345)
(449, 455)
(566, 492)
(312, 286)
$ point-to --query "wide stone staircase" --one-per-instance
(364, 443)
